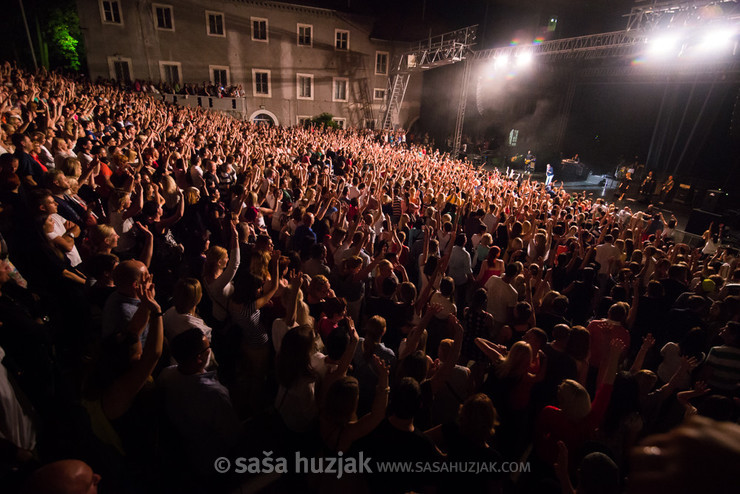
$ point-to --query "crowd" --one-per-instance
(177, 286)
(204, 89)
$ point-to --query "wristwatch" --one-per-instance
(70, 234)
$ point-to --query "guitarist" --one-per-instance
(529, 162)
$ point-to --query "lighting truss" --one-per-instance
(603, 45)
(655, 14)
(435, 51)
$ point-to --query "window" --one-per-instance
(110, 12)
(303, 120)
(261, 83)
(259, 29)
(378, 94)
(341, 39)
(305, 37)
(120, 69)
(340, 122)
(340, 89)
(170, 72)
(219, 75)
(370, 123)
(381, 63)
(215, 24)
(304, 84)
(163, 17)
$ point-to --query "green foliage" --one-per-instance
(64, 36)
(325, 120)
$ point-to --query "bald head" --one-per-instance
(63, 477)
(127, 275)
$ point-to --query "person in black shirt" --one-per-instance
(29, 170)
(397, 440)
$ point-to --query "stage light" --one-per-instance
(524, 59)
(717, 39)
(501, 61)
(664, 45)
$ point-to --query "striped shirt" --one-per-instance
(725, 364)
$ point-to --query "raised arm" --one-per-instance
(117, 399)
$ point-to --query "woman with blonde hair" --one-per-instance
(297, 313)
(169, 192)
(509, 385)
(578, 417)
(71, 167)
(218, 273)
(103, 239)
(182, 315)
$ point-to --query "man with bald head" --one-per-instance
(123, 310)
(63, 477)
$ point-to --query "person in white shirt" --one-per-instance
(62, 233)
(502, 296)
(606, 254)
(181, 316)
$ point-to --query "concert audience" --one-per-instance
(268, 246)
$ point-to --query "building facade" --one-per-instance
(293, 62)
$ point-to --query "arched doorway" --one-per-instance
(264, 117)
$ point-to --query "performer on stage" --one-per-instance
(549, 174)
(648, 186)
(667, 190)
(529, 162)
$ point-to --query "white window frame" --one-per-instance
(155, 6)
(211, 68)
(298, 86)
(341, 120)
(254, 83)
(267, 29)
(387, 62)
(162, 63)
(298, 35)
(375, 94)
(112, 67)
(336, 32)
(102, 13)
(208, 23)
(298, 118)
(334, 89)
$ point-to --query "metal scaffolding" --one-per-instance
(435, 51)
(643, 21)
(617, 43)
(655, 14)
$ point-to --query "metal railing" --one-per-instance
(231, 105)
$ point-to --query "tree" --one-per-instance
(325, 120)
(64, 37)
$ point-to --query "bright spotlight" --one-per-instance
(717, 39)
(524, 59)
(501, 61)
(665, 45)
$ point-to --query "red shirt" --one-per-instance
(553, 425)
(602, 333)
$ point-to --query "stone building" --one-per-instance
(293, 61)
